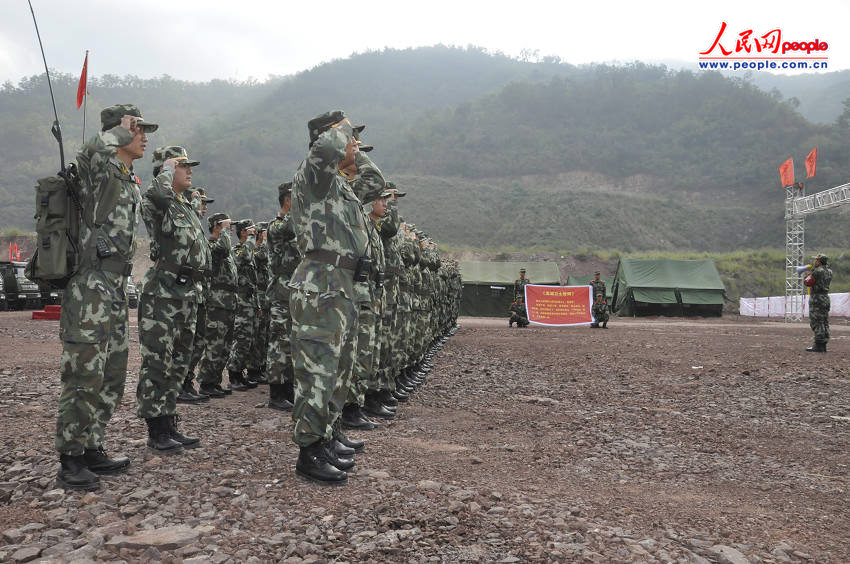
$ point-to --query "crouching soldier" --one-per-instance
(519, 315)
(600, 312)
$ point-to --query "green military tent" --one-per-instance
(488, 287)
(576, 280)
(667, 287)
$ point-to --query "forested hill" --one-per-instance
(497, 153)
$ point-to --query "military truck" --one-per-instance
(50, 296)
(3, 305)
(21, 293)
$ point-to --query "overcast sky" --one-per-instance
(205, 39)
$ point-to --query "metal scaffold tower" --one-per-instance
(797, 206)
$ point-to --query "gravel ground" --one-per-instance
(660, 440)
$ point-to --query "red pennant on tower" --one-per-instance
(812, 163)
(81, 89)
(786, 173)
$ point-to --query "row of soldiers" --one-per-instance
(339, 310)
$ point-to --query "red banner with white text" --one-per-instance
(558, 305)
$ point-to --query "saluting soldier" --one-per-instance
(283, 258)
(94, 323)
(327, 286)
(248, 310)
(221, 308)
(171, 291)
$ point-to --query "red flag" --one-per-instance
(786, 173)
(81, 89)
(811, 163)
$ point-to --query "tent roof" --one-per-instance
(582, 280)
(669, 273)
(481, 272)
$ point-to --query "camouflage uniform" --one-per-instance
(599, 310)
(519, 286)
(598, 287)
(819, 303)
(331, 235)
(247, 320)
(283, 258)
(171, 291)
(221, 308)
(260, 343)
(392, 238)
(94, 322)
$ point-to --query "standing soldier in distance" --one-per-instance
(818, 282)
(326, 286)
(247, 306)
(520, 283)
(170, 292)
(598, 285)
(260, 342)
(221, 308)
(94, 324)
(283, 258)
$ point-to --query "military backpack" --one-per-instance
(58, 215)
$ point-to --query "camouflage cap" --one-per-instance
(111, 117)
(203, 193)
(285, 188)
(598, 294)
(597, 272)
(215, 218)
(522, 269)
(398, 193)
(162, 154)
(821, 257)
(323, 122)
(263, 226)
(243, 224)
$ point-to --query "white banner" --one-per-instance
(774, 306)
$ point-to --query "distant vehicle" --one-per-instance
(21, 293)
(132, 293)
(3, 304)
(49, 296)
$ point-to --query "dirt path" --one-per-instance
(656, 440)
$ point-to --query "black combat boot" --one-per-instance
(99, 462)
(344, 464)
(341, 450)
(255, 378)
(400, 394)
(226, 390)
(819, 347)
(605, 325)
(159, 436)
(187, 442)
(289, 390)
(200, 393)
(373, 407)
(388, 399)
(313, 465)
(187, 394)
(74, 475)
(277, 399)
(236, 382)
(353, 418)
(354, 444)
(212, 391)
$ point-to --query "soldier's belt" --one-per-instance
(332, 258)
(116, 266)
(223, 286)
(195, 274)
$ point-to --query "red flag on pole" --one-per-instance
(811, 163)
(786, 173)
(81, 89)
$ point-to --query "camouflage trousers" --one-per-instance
(260, 344)
(166, 332)
(93, 367)
(819, 316)
(245, 328)
(388, 337)
(279, 358)
(199, 344)
(420, 335)
(367, 355)
(324, 339)
(219, 337)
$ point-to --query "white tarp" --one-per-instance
(774, 306)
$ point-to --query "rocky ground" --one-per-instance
(656, 440)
